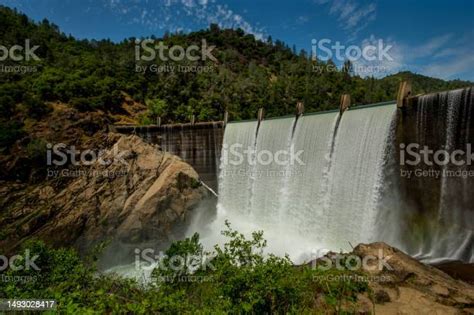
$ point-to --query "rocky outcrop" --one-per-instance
(402, 285)
(136, 195)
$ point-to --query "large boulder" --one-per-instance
(137, 198)
(399, 284)
(411, 287)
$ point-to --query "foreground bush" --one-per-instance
(236, 278)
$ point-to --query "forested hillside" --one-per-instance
(93, 75)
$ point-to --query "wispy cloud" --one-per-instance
(178, 15)
(445, 56)
(353, 15)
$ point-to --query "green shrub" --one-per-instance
(236, 278)
(10, 132)
(82, 104)
(36, 150)
(36, 108)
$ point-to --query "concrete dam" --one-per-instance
(198, 144)
(363, 176)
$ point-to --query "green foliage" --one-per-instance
(92, 75)
(35, 107)
(156, 107)
(236, 278)
(36, 150)
(82, 104)
(145, 120)
(10, 132)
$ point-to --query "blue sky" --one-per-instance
(434, 38)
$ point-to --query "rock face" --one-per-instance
(402, 285)
(137, 197)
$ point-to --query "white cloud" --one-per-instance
(353, 16)
(452, 69)
(443, 56)
(175, 15)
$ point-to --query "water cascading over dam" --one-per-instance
(440, 198)
(324, 200)
(348, 181)
(350, 186)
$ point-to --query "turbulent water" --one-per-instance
(348, 189)
(451, 233)
(345, 185)
(324, 201)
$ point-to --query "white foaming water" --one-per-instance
(356, 174)
(310, 208)
(236, 197)
(331, 200)
(270, 175)
(453, 236)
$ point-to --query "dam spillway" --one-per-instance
(350, 187)
(318, 196)
(438, 197)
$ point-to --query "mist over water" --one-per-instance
(328, 202)
(348, 188)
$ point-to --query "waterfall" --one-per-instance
(453, 236)
(348, 187)
(269, 175)
(235, 178)
(314, 137)
(355, 177)
(322, 201)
